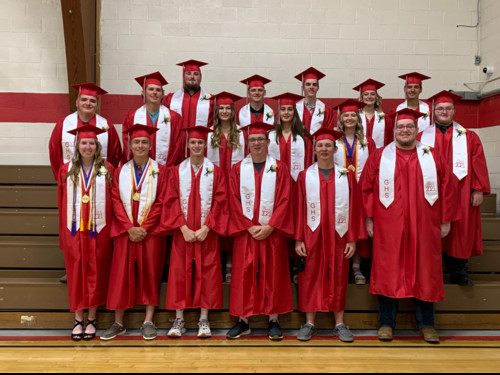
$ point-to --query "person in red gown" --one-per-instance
(410, 200)
(196, 211)
(139, 188)
(166, 148)
(84, 202)
(256, 109)
(354, 149)
(376, 125)
(328, 223)
(261, 220)
(313, 113)
(62, 143)
(226, 146)
(463, 151)
(413, 89)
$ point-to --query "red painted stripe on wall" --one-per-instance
(47, 108)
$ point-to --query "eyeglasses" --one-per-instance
(448, 109)
(407, 127)
(257, 140)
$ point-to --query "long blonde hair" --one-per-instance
(234, 133)
(76, 163)
(378, 102)
(359, 132)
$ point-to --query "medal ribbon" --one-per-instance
(348, 152)
(86, 179)
(137, 180)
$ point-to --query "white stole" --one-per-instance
(148, 190)
(297, 150)
(313, 199)
(317, 116)
(267, 192)
(378, 134)
(206, 187)
(68, 140)
(362, 154)
(423, 122)
(163, 134)
(202, 108)
(100, 201)
(245, 115)
(237, 155)
(388, 168)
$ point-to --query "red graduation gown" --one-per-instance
(189, 107)
(323, 283)
(176, 149)
(268, 291)
(388, 132)
(201, 285)
(226, 156)
(407, 235)
(87, 259)
(328, 118)
(137, 267)
(55, 145)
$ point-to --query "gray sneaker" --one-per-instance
(306, 332)
(115, 330)
(148, 331)
(343, 333)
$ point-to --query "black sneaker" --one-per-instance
(275, 331)
(462, 280)
(239, 329)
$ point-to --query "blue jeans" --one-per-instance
(388, 309)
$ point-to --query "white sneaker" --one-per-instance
(178, 328)
(204, 330)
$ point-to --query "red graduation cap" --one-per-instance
(325, 133)
(444, 97)
(406, 114)
(87, 131)
(192, 65)
(89, 89)
(255, 81)
(369, 85)
(414, 78)
(258, 127)
(198, 132)
(310, 73)
(349, 105)
(287, 99)
(151, 79)
(226, 98)
(140, 131)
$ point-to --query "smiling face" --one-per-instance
(349, 120)
(444, 113)
(369, 97)
(140, 147)
(87, 148)
(192, 80)
(286, 113)
(324, 150)
(311, 88)
(256, 95)
(258, 144)
(224, 112)
(197, 147)
(405, 132)
(412, 91)
(86, 106)
(154, 94)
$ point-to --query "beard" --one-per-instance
(192, 86)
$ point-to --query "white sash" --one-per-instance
(100, 201)
(387, 174)
(202, 108)
(429, 136)
(237, 155)
(423, 122)
(162, 135)
(297, 150)
(206, 187)
(362, 154)
(317, 116)
(148, 191)
(267, 192)
(68, 140)
(378, 134)
(245, 115)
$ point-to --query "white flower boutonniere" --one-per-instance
(343, 172)
(167, 119)
(154, 171)
(381, 116)
(426, 114)
(206, 97)
(461, 132)
(321, 112)
(105, 127)
(269, 115)
(103, 171)
(272, 168)
(209, 170)
(426, 150)
(363, 143)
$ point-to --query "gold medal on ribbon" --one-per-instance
(352, 167)
(136, 197)
(85, 199)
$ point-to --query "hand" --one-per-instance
(263, 232)
(445, 229)
(300, 249)
(137, 234)
(202, 233)
(350, 249)
(189, 235)
(369, 226)
(476, 198)
(253, 229)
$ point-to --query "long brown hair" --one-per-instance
(234, 133)
(359, 132)
(76, 163)
(378, 102)
(298, 127)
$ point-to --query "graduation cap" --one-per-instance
(349, 105)
(226, 98)
(87, 131)
(141, 131)
(406, 114)
(151, 79)
(89, 89)
(309, 73)
(369, 85)
(258, 127)
(325, 133)
(192, 65)
(287, 99)
(414, 78)
(198, 132)
(255, 81)
(444, 97)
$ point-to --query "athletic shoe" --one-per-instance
(204, 329)
(178, 328)
(115, 330)
(149, 331)
(275, 331)
(239, 329)
(343, 333)
(306, 332)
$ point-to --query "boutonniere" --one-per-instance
(105, 127)
(461, 131)
(321, 112)
(381, 116)
(206, 97)
(103, 171)
(343, 172)
(154, 171)
(209, 170)
(426, 114)
(426, 150)
(269, 115)
(363, 143)
(167, 119)
(272, 168)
